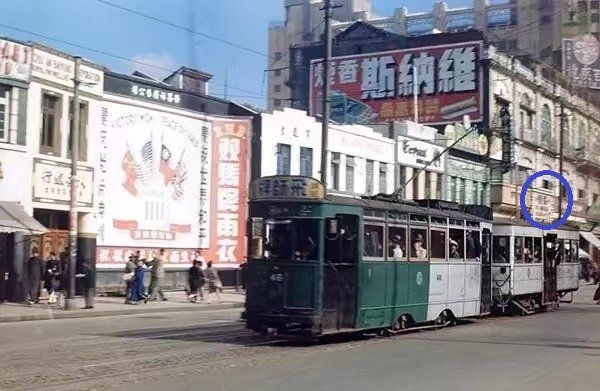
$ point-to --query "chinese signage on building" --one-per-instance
(581, 61)
(15, 60)
(380, 86)
(119, 255)
(155, 94)
(287, 187)
(61, 70)
(52, 183)
(230, 143)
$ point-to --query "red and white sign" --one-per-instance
(15, 60)
(377, 87)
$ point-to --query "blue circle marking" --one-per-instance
(563, 182)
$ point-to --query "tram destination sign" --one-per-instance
(287, 187)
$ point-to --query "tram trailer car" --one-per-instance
(320, 265)
(531, 268)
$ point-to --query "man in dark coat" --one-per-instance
(3, 276)
(35, 270)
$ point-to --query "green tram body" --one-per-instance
(330, 286)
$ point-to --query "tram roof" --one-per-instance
(521, 227)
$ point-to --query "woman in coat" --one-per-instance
(52, 278)
(137, 286)
(214, 282)
(196, 280)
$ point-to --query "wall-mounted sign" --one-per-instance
(155, 94)
(61, 70)
(52, 183)
(507, 148)
(380, 86)
(287, 187)
(417, 153)
(581, 61)
(15, 60)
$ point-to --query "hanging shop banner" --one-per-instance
(15, 60)
(378, 87)
(581, 61)
(149, 181)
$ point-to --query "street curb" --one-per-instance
(63, 314)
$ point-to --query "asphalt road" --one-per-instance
(211, 350)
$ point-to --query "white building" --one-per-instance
(361, 160)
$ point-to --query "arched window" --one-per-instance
(546, 126)
(526, 116)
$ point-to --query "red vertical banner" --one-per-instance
(229, 187)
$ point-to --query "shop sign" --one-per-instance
(155, 94)
(419, 153)
(15, 60)
(287, 187)
(52, 183)
(61, 70)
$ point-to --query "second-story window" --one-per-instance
(383, 177)
(50, 132)
(546, 126)
(369, 179)
(283, 159)
(335, 170)
(350, 173)
(4, 114)
(83, 125)
(306, 161)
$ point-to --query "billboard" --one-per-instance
(171, 181)
(378, 87)
(581, 61)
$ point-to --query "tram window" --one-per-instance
(574, 251)
(438, 244)
(554, 251)
(456, 245)
(567, 257)
(418, 243)
(396, 243)
(519, 253)
(473, 244)
(500, 249)
(528, 251)
(306, 239)
(373, 241)
(537, 250)
(278, 244)
(438, 220)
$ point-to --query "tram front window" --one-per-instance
(500, 249)
(291, 240)
(473, 244)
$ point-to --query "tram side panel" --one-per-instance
(456, 288)
(473, 282)
(567, 277)
(438, 289)
(527, 279)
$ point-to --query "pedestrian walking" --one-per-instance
(35, 270)
(128, 273)
(3, 277)
(214, 282)
(65, 276)
(52, 278)
(244, 271)
(196, 281)
(137, 287)
(157, 275)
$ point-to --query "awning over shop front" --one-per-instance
(14, 219)
(591, 238)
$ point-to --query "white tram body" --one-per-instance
(568, 269)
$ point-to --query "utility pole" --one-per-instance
(73, 206)
(560, 157)
(326, 91)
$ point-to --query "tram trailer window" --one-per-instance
(419, 245)
(501, 249)
(438, 244)
(456, 244)
(473, 244)
(341, 239)
(397, 243)
(288, 239)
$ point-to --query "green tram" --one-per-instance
(327, 264)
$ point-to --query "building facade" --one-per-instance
(519, 27)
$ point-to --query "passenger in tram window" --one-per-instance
(554, 254)
(473, 245)
(519, 250)
(396, 250)
(419, 251)
(454, 253)
(537, 249)
(500, 249)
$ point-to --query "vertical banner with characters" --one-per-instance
(230, 163)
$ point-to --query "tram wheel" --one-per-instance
(444, 318)
(402, 323)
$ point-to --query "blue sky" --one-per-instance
(92, 24)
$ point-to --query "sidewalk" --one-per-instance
(113, 306)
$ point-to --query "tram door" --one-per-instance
(340, 271)
(551, 255)
(486, 272)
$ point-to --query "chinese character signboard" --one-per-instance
(155, 94)
(229, 186)
(15, 60)
(379, 87)
(287, 187)
(581, 61)
(52, 183)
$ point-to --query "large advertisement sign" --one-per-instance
(581, 61)
(15, 60)
(150, 181)
(378, 87)
(174, 182)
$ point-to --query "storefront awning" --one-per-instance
(14, 219)
(583, 254)
(590, 237)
